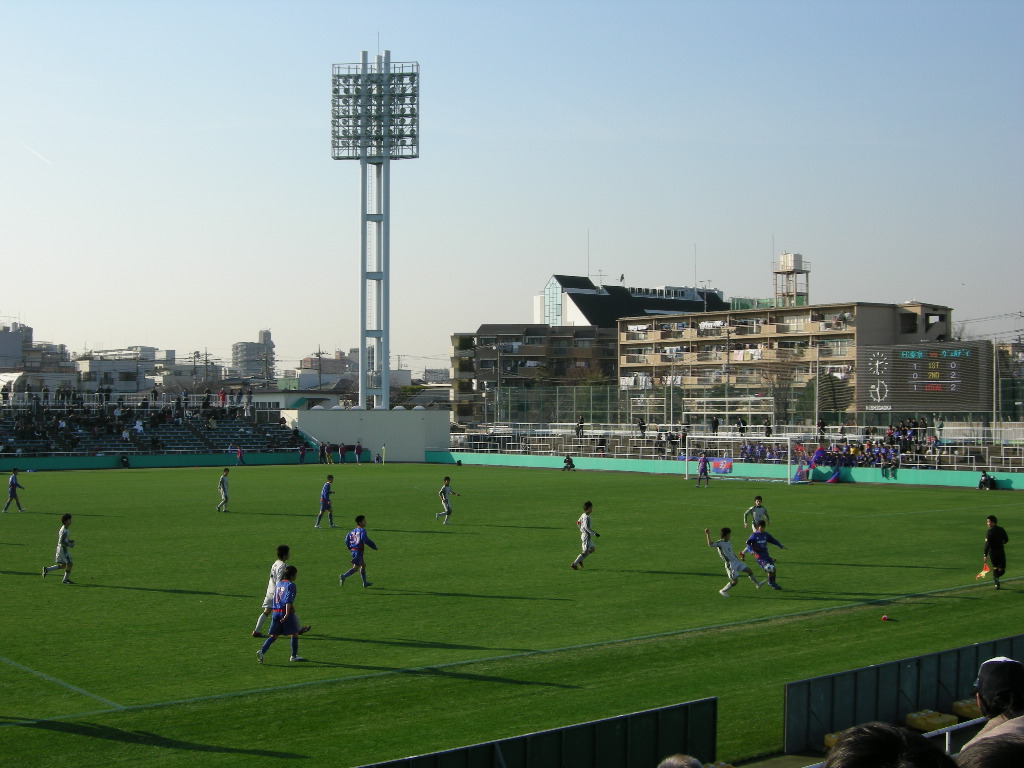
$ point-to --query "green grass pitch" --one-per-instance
(470, 632)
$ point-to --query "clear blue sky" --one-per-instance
(166, 177)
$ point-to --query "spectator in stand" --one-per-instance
(999, 691)
(881, 745)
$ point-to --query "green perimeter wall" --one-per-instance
(741, 471)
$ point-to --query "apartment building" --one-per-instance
(876, 356)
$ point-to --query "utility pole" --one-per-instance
(727, 331)
(320, 367)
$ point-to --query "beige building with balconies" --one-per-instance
(754, 352)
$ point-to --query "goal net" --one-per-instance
(748, 458)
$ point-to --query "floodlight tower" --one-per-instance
(375, 119)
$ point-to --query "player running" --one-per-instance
(587, 536)
(733, 567)
(446, 493)
(356, 540)
(325, 503)
(12, 490)
(63, 556)
(758, 543)
(756, 514)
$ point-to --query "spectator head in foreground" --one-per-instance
(680, 761)
(1000, 688)
(1006, 751)
(880, 745)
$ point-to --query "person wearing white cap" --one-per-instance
(999, 690)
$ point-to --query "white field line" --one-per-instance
(466, 662)
(60, 682)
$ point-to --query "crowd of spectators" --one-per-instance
(42, 423)
(761, 452)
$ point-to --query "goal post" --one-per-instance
(774, 458)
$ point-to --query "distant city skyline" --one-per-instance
(168, 177)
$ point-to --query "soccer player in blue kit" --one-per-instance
(356, 540)
(285, 622)
(702, 470)
(325, 503)
(758, 543)
(12, 491)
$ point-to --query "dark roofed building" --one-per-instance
(572, 300)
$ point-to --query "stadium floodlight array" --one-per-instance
(375, 109)
(375, 119)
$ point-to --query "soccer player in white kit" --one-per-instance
(733, 567)
(755, 514)
(222, 486)
(62, 558)
(446, 493)
(276, 572)
(587, 536)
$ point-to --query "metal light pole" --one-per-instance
(375, 119)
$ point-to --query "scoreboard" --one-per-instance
(937, 376)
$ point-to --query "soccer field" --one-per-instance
(473, 631)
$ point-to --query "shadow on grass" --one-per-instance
(701, 574)
(403, 592)
(410, 643)
(153, 589)
(147, 739)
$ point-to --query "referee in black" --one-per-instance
(995, 552)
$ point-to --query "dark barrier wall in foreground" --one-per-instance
(886, 692)
(639, 740)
